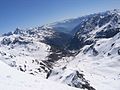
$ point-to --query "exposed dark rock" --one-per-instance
(6, 41)
(109, 54)
(7, 34)
(77, 80)
(119, 52)
(108, 33)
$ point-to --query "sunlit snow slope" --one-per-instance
(11, 79)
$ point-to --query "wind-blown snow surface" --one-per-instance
(11, 79)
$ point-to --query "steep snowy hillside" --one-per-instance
(98, 25)
(95, 26)
(11, 79)
(97, 52)
(102, 70)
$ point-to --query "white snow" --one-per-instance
(102, 71)
(11, 79)
(21, 55)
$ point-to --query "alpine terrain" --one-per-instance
(83, 53)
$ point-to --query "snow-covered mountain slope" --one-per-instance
(32, 51)
(11, 79)
(102, 71)
(96, 26)
(83, 52)
(26, 52)
(96, 57)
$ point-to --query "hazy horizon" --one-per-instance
(31, 13)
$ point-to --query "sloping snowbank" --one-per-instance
(11, 79)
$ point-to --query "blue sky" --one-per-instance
(31, 13)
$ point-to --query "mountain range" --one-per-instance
(82, 52)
